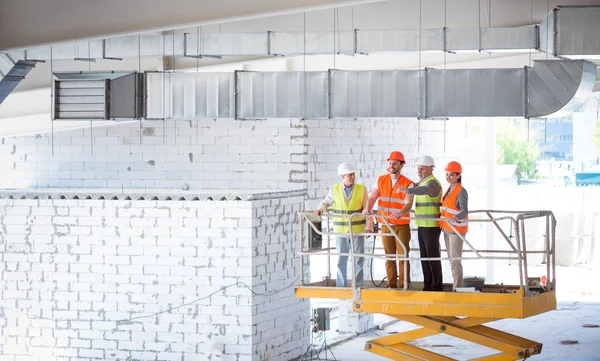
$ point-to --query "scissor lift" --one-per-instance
(460, 315)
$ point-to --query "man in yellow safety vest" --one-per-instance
(344, 199)
(428, 200)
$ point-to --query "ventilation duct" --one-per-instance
(12, 73)
(292, 43)
(189, 95)
(97, 95)
(550, 88)
(568, 31)
(571, 32)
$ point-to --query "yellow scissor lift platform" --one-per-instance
(457, 314)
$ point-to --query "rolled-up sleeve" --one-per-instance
(328, 201)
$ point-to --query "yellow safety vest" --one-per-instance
(341, 207)
(427, 207)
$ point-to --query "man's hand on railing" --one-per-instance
(396, 215)
(317, 212)
(366, 212)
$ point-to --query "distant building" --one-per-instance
(555, 138)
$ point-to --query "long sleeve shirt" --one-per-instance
(462, 202)
(432, 189)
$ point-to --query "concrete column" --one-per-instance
(490, 161)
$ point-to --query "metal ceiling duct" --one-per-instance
(97, 95)
(189, 95)
(12, 73)
(571, 32)
(568, 31)
(550, 88)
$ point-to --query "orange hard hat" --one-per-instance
(395, 155)
(454, 167)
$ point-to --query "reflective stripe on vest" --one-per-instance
(449, 210)
(390, 200)
(427, 207)
(342, 207)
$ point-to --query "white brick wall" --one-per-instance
(222, 154)
(202, 154)
(71, 269)
(282, 320)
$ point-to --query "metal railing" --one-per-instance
(517, 250)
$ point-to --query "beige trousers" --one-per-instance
(391, 246)
(454, 247)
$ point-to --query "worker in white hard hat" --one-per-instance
(344, 199)
(428, 200)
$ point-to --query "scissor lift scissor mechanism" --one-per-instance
(456, 314)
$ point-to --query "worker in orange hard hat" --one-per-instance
(397, 205)
(455, 208)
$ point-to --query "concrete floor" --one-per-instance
(577, 305)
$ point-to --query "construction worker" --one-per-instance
(455, 208)
(428, 201)
(397, 205)
(346, 198)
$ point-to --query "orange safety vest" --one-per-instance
(449, 210)
(390, 200)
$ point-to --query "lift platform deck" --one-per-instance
(458, 314)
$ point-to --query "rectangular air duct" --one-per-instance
(12, 73)
(571, 32)
(262, 95)
(189, 95)
(568, 31)
(550, 88)
(97, 96)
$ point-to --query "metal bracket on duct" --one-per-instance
(12, 73)
(97, 96)
(550, 88)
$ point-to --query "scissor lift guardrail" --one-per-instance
(457, 314)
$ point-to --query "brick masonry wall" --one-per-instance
(202, 154)
(282, 320)
(143, 280)
(222, 154)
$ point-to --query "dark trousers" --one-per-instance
(429, 245)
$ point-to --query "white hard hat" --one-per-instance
(426, 160)
(346, 168)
